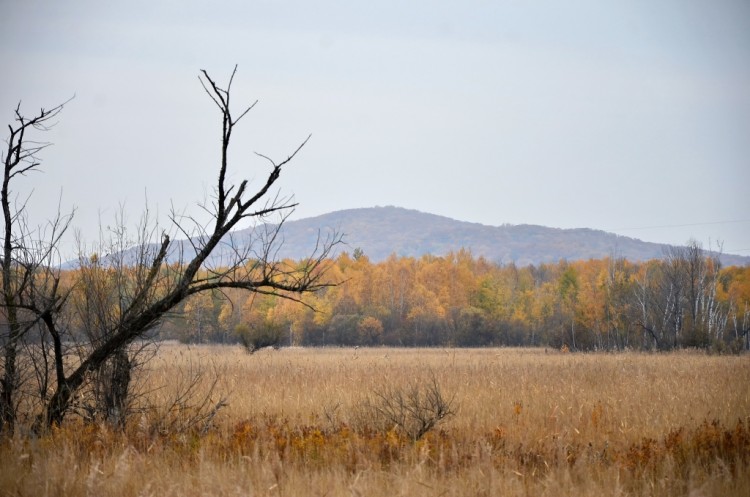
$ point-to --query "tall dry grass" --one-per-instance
(528, 422)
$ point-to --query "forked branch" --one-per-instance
(164, 287)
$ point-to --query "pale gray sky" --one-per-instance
(630, 116)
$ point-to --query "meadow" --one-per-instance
(305, 421)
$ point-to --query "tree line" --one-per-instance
(685, 299)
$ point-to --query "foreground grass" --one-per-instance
(527, 423)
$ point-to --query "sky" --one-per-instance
(627, 116)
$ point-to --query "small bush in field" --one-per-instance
(415, 409)
(265, 335)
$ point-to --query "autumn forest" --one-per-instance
(683, 300)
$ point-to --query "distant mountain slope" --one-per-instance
(382, 231)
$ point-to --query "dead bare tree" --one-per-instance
(144, 283)
(31, 293)
(157, 288)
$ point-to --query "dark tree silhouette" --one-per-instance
(144, 283)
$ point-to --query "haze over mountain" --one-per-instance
(382, 231)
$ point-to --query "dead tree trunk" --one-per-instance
(143, 290)
(157, 291)
(29, 282)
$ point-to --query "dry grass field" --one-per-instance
(301, 422)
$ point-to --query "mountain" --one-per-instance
(382, 231)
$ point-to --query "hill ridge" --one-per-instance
(388, 230)
(384, 230)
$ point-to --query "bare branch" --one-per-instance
(158, 291)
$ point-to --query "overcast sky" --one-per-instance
(631, 116)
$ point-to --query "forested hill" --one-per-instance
(382, 231)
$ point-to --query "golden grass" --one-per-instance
(528, 423)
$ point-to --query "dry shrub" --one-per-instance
(414, 410)
(185, 399)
